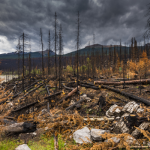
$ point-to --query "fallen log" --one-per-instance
(145, 101)
(131, 147)
(69, 94)
(143, 81)
(70, 83)
(67, 88)
(117, 98)
(89, 86)
(21, 127)
(24, 107)
(14, 96)
(39, 85)
(51, 96)
(31, 86)
(91, 106)
(7, 121)
(51, 86)
(98, 119)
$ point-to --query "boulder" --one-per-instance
(96, 134)
(23, 147)
(113, 111)
(137, 133)
(120, 127)
(82, 135)
(131, 107)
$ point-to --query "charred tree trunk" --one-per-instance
(55, 41)
(49, 45)
(78, 40)
(42, 52)
(60, 54)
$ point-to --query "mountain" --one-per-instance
(37, 54)
(97, 48)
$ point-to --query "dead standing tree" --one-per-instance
(78, 43)
(93, 57)
(18, 51)
(60, 54)
(30, 65)
(24, 37)
(147, 33)
(55, 42)
(42, 52)
(49, 46)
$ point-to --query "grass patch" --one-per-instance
(45, 143)
(9, 144)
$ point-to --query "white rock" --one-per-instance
(88, 99)
(120, 126)
(23, 147)
(113, 110)
(115, 140)
(143, 126)
(34, 133)
(124, 115)
(131, 107)
(96, 134)
(82, 135)
(130, 140)
(139, 110)
(72, 102)
(117, 118)
(10, 105)
(46, 128)
(84, 95)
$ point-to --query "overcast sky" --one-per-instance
(109, 20)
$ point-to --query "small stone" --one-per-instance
(23, 147)
(130, 140)
(115, 140)
(88, 99)
(46, 128)
(96, 134)
(34, 133)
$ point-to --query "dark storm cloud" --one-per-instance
(109, 20)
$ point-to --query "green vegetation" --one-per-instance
(9, 144)
(45, 143)
(69, 68)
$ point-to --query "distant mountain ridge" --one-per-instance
(83, 51)
(14, 55)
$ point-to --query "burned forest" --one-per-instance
(95, 97)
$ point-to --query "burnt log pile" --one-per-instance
(95, 104)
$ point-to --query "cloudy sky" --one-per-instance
(109, 20)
